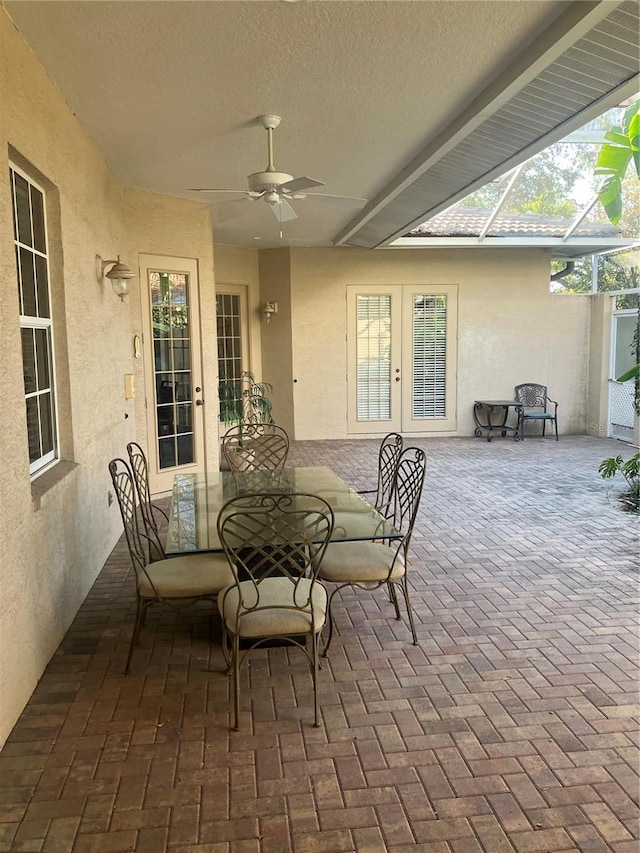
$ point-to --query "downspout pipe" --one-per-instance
(563, 272)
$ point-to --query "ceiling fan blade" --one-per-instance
(298, 184)
(213, 190)
(283, 211)
(226, 201)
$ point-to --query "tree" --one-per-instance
(621, 148)
(616, 271)
(544, 186)
(559, 181)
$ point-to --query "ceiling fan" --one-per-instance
(277, 189)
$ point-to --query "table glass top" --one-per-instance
(197, 498)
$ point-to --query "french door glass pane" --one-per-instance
(181, 355)
(185, 449)
(183, 419)
(162, 354)
(183, 387)
(167, 452)
(429, 356)
(228, 324)
(169, 295)
(373, 317)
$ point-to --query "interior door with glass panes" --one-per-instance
(233, 351)
(173, 368)
(402, 351)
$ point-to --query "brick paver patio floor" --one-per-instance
(512, 726)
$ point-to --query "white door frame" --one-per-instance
(401, 360)
(161, 478)
(241, 290)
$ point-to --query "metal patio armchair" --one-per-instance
(535, 405)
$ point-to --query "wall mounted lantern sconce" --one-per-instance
(269, 309)
(119, 275)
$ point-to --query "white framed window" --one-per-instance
(36, 328)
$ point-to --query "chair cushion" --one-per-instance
(186, 576)
(538, 416)
(360, 562)
(274, 618)
(353, 524)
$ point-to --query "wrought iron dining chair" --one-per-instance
(149, 511)
(176, 580)
(373, 564)
(248, 447)
(276, 543)
(535, 406)
(388, 458)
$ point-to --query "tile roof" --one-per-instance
(458, 221)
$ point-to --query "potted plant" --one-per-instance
(245, 400)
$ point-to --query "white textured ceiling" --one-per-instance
(169, 91)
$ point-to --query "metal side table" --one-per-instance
(491, 417)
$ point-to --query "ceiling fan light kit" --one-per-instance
(277, 188)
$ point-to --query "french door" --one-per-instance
(173, 368)
(233, 350)
(402, 342)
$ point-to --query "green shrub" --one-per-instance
(630, 470)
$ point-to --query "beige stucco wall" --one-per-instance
(160, 225)
(510, 328)
(53, 548)
(56, 534)
(277, 366)
(568, 341)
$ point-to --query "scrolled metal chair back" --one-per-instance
(140, 470)
(388, 458)
(275, 535)
(412, 467)
(125, 491)
(249, 447)
(532, 395)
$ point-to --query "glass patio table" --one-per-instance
(196, 501)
